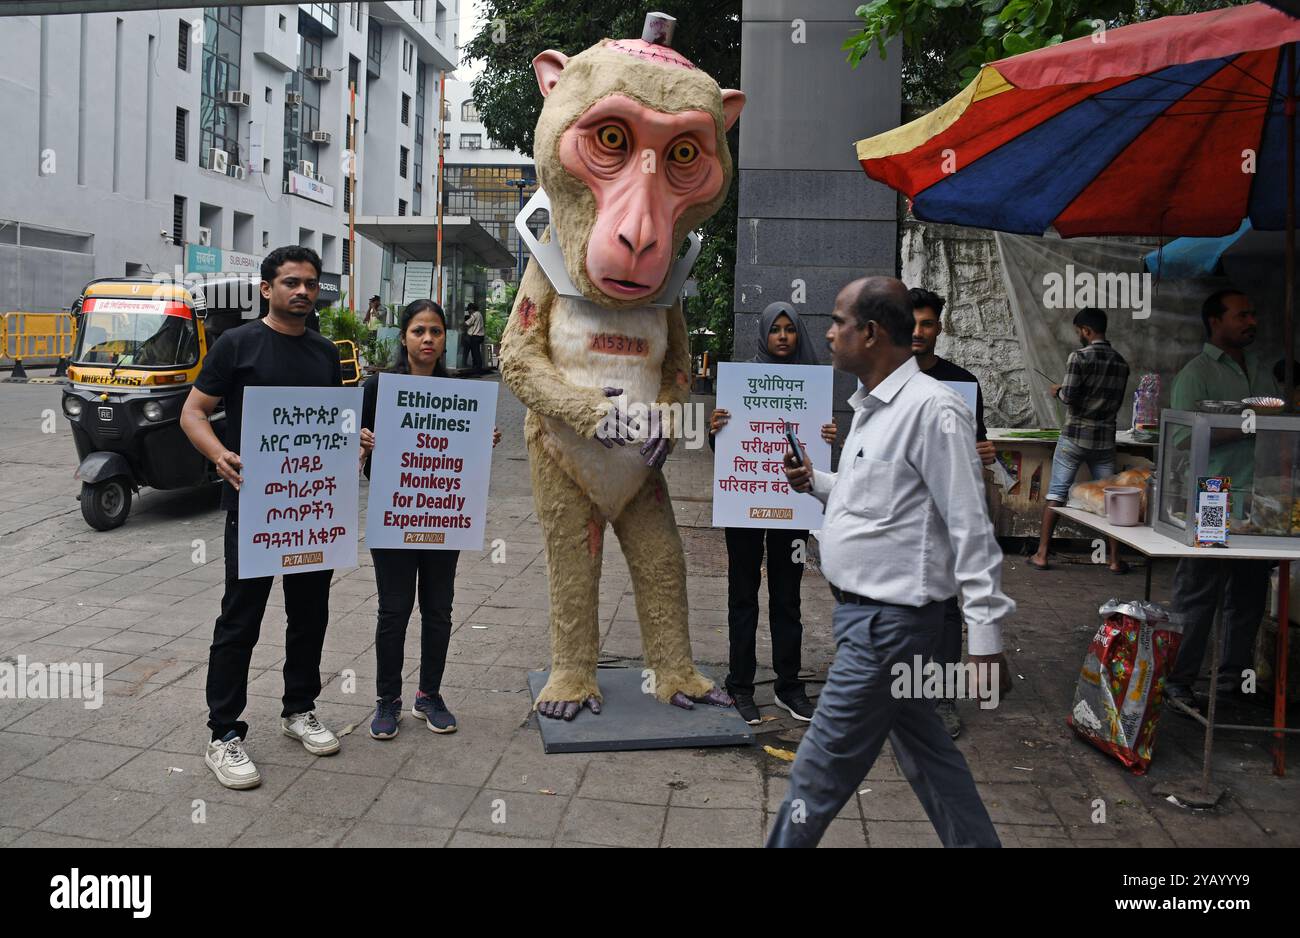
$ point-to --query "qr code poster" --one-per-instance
(1212, 511)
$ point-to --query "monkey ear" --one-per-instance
(548, 66)
(732, 102)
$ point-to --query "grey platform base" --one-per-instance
(629, 719)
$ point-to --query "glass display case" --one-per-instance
(1259, 453)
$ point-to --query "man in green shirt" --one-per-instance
(1225, 370)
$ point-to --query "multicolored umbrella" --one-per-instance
(1170, 127)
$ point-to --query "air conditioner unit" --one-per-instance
(318, 74)
(237, 171)
(293, 97)
(307, 168)
(218, 160)
(320, 136)
(237, 98)
(205, 236)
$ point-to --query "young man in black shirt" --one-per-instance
(927, 310)
(277, 350)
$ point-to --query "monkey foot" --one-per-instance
(567, 709)
(715, 696)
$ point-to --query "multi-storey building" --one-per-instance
(484, 179)
(199, 138)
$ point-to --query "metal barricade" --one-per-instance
(348, 359)
(37, 339)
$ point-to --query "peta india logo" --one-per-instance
(1108, 291)
(77, 891)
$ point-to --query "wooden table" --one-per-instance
(1146, 541)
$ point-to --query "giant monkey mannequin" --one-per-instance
(631, 150)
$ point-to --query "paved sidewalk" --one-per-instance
(131, 772)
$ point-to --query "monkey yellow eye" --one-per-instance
(612, 136)
(683, 152)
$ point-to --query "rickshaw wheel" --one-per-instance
(106, 504)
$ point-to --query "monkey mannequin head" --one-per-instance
(631, 148)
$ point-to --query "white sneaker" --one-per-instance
(231, 765)
(308, 730)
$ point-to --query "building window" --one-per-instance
(284, 24)
(406, 109)
(222, 45)
(326, 14)
(183, 46)
(421, 79)
(404, 154)
(471, 141)
(401, 206)
(346, 267)
(178, 219)
(347, 193)
(302, 118)
(354, 72)
(417, 10)
(182, 133)
(354, 15)
(494, 145)
(485, 193)
(374, 46)
(469, 112)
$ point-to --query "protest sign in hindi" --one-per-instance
(431, 464)
(749, 485)
(298, 506)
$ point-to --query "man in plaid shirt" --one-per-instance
(1096, 377)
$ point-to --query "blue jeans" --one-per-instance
(857, 711)
(1065, 466)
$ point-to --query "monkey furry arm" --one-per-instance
(526, 364)
(675, 380)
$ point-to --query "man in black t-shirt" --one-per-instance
(927, 309)
(277, 350)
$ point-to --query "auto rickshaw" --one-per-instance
(139, 348)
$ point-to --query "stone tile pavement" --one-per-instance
(141, 601)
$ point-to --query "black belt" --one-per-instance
(844, 596)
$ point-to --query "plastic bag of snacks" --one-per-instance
(1146, 403)
(1121, 687)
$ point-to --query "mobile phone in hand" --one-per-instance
(794, 446)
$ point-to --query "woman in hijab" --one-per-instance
(782, 340)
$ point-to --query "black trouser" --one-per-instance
(475, 345)
(307, 611)
(744, 573)
(396, 574)
(1245, 595)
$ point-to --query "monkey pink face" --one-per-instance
(645, 168)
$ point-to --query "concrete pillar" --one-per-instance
(807, 211)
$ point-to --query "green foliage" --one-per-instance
(509, 102)
(497, 312)
(378, 352)
(338, 323)
(945, 42)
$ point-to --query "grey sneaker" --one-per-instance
(947, 711)
(230, 763)
(431, 709)
(309, 731)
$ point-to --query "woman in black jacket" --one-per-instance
(399, 572)
(782, 340)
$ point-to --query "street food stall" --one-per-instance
(1025, 458)
(1143, 135)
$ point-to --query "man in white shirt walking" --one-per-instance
(905, 528)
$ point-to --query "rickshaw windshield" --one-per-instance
(137, 339)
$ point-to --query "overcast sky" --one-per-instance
(469, 18)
